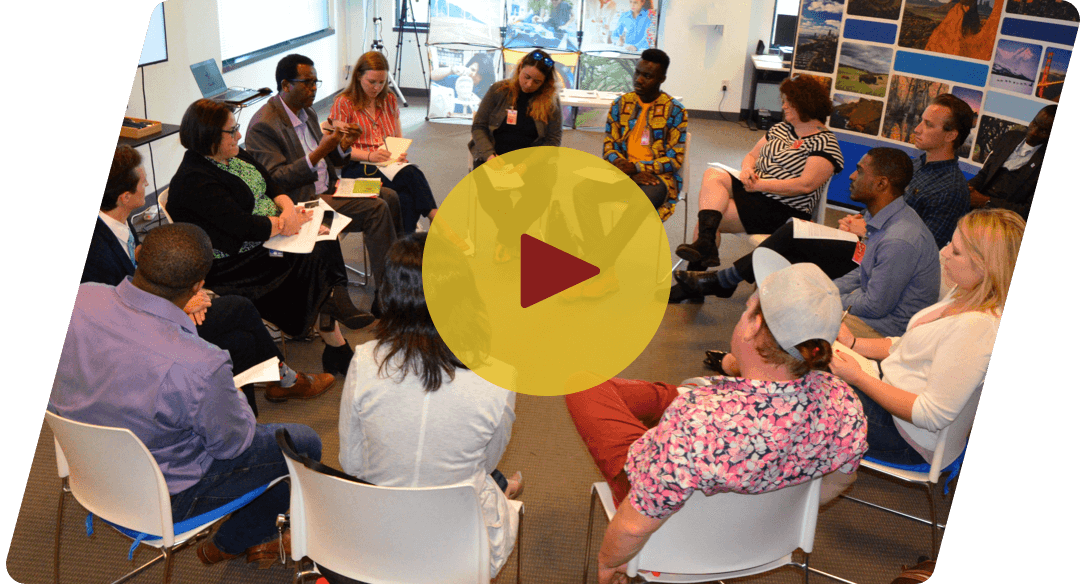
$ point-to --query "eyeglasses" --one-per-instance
(541, 57)
(314, 83)
(233, 130)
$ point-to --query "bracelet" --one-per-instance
(853, 345)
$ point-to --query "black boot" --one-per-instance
(337, 359)
(703, 251)
(340, 308)
(703, 283)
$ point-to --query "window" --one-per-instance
(250, 30)
(416, 15)
(784, 29)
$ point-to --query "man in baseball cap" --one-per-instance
(780, 420)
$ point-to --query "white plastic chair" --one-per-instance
(727, 535)
(386, 535)
(113, 476)
(950, 445)
(162, 198)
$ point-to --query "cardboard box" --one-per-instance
(150, 127)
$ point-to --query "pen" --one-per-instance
(845, 315)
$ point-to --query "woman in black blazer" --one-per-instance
(225, 191)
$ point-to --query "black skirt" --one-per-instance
(288, 291)
(760, 213)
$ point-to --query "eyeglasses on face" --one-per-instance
(313, 83)
(541, 57)
(233, 130)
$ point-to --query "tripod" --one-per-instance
(405, 7)
(377, 46)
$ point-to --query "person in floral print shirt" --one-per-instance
(780, 422)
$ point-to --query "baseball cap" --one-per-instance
(799, 302)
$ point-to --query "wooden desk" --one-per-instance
(590, 99)
(768, 69)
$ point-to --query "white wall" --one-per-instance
(192, 35)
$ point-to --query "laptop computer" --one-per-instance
(212, 86)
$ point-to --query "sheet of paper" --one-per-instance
(355, 188)
(302, 242)
(808, 230)
(866, 364)
(266, 371)
(601, 175)
(390, 170)
(504, 179)
(396, 146)
(725, 168)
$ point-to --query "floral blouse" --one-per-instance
(263, 206)
(746, 436)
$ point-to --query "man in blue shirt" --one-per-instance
(884, 279)
(132, 359)
(632, 31)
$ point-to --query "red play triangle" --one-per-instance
(546, 270)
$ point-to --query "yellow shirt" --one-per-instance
(635, 150)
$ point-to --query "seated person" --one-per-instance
(791, 420)
(633, 28)
(898, 271)
(930, 372)
(479, 70)
(413, 415)
(131, 359)
(229, 322)
(784, 175)
(516, 113)
(231, 196)
(1008, 178)
(285, 136)
(367, 103)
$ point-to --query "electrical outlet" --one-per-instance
(724, 85)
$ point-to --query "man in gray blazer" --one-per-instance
(285, 136)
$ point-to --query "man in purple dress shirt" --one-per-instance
(132, 359)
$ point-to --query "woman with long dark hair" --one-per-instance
(412, 414)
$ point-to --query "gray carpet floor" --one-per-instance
(853, 542)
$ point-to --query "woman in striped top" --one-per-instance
(367, 102)
(783, 176)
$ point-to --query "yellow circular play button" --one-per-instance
(546, 271)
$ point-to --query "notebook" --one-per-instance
(212, 86)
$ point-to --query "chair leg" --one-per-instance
(932, 493)
(56, 539)
(588, 538)
(520, 530)
(169, 565)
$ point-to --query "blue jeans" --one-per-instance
(884, 442)
(227, 480)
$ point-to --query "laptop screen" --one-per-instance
(208, 78)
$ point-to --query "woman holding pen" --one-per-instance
(367, 102)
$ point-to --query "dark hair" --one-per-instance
(172, 259)
(485, 61)
(893, 164)
(656, 56)
(961, 116)
(123, 177)
(288, 68)
(817, 353)
(1049, 109)
(810, 98)
(406, 327)
(201, 126)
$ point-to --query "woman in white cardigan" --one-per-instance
(413, 415)
(930, 372)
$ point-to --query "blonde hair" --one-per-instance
(371, 61)
(543, 104)
(991, 239)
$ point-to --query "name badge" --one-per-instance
(645, 139)
(511, 117)
(858, 256)
(275, 253)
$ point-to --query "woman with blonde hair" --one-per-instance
(519, 112)
(930, 373)
(368, 103)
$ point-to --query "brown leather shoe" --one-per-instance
(306, 387)
(210, 554)
(266, 554)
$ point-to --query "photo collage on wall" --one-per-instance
(594, 44)
(888, 59)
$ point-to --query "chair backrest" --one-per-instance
(383, 534)
(952, 438)
(162, 198)
(113, 475)
(728, 532)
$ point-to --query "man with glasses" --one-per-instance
(285, 136)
